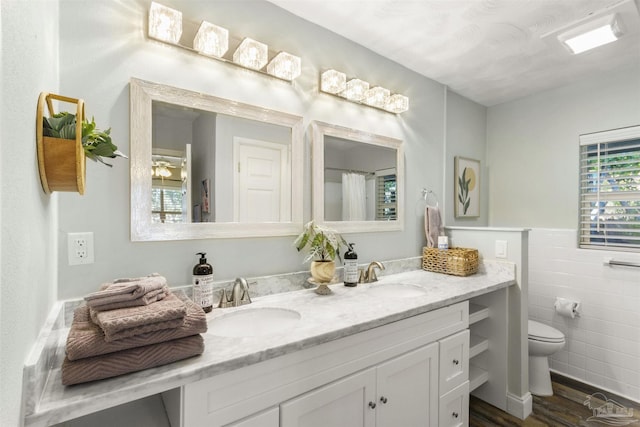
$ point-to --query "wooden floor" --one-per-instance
(565, 408)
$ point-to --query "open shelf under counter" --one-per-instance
(477, 345)
(477, 313)
(477, 377)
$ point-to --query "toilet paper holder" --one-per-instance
(567, 308)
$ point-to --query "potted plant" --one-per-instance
(323, 245)
(95, 142)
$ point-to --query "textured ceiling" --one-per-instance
(490, 51)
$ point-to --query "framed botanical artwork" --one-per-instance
(205, 191)
(467, 188)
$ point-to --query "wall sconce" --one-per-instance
(168, 26)
(358, 91)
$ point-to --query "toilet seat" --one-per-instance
(544, 333)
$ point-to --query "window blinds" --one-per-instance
(610, 190)
(386, 203)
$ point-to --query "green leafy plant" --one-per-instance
(95, 142)
(463, 191)
(322, 243)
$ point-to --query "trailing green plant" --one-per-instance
(95, 142)
(322, 243)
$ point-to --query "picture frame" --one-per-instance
(467, 187)
(205, 191)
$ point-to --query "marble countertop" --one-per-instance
(345, 312)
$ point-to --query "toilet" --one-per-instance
(543, 342)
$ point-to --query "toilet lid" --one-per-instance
(541, 332)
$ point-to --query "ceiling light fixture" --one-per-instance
(592, 34)
(358, 91)
(168, 26)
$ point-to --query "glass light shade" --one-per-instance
(163, 171)
(397, 104)
(165, 23)
(377, 97)
(211, 40)
(285, 66)
(355, 90)
(333, 81)
(251, 54)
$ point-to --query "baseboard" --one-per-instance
(590, 388)
(519, 406)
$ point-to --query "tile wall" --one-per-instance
(603, 345)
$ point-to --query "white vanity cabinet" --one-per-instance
(388, 376)
(400, 392)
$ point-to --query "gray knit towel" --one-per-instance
(128, 293)
(127, 322)
(86, 339)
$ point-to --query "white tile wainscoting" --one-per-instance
(603, 345)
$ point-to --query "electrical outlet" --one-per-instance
(501, 248)
(80, 248)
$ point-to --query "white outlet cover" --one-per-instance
(501, 248)
(80, 248)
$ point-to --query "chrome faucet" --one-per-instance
(370, 275)
(239, 294)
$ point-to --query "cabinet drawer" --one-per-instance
(454, 407)
(454, 361)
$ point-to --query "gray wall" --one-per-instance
(114, 33)
(28, 218)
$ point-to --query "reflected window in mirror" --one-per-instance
(357, 179)
(234, 166)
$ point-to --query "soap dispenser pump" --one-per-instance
(203, 283)
(350, 267)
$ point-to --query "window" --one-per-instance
(386, 191)
(166, 205)
(610, 190)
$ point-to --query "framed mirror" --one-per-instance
(358, 179)
(206, 167)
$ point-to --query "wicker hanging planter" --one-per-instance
(61, 162)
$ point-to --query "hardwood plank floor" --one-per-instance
(565, 408)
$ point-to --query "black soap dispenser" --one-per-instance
(350, 267)
(203, 283)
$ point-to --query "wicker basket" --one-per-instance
(456, 261)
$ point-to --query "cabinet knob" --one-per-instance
(383, 399)
(454, 415)
(372, 405)
(456, 362)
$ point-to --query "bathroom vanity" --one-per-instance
(395, 352)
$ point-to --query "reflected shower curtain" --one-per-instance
(354, 196)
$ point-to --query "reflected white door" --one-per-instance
(262, 181)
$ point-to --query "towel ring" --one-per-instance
(425, 195)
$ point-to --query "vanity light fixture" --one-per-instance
(285, 66)
(335, 82)
(251, 54)
(166, 25)
(211, 40)
(592, 34)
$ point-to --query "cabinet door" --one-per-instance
(349, 402)
(454, 361)
(268, 418)
(407, 389)
(454, 407)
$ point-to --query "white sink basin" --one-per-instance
(396, 291)
(254, 322)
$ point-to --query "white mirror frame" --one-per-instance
(142, 94)
(319, 131)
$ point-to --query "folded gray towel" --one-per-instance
(432, 226)
(146, 299)
(131, 360)
(86, 339)
(127, 322)
(126, 290)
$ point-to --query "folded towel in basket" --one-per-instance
(86, 339)
(127, 322)
(131, 360)
(132, 292)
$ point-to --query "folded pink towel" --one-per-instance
(127, 322)
(128, 292)
(86, 339)
(131, 360)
